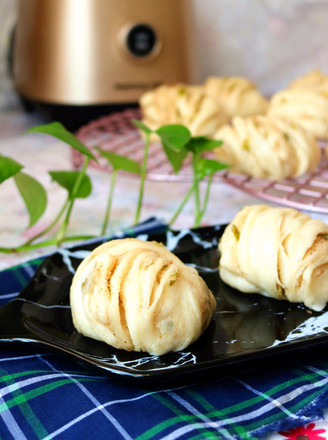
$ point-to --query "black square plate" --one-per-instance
(245, 329)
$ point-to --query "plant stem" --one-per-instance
(109, 203)
(48, 228)
(28, 247)
(7, 250)
(180, 208)
(142, 178)
(79, 237)
(206, 198)
(196, 190)
(62, 231)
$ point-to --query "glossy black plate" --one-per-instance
(245, 329)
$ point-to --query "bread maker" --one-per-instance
(74, 60)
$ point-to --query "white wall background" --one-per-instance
(268, 41)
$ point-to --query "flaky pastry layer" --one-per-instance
(137, 295)
(278, 252)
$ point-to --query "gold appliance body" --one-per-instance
(95, 53)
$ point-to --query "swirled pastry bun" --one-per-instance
(278, 252)
(238, 96)
(313, 80)
(182, 104)
(306, 108)
(201, 114)
(137, 295)
(268, 148)
(158, 106)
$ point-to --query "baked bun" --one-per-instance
(313, 80)
(268, 148)
(278, 252)
(200, 113)
(306, 108)
(158, 106)
(181, 104)
(238, 96)
(137, 295)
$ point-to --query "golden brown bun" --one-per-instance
(277, 252)
(265, 147)
(137, 295)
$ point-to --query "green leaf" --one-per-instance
(33, 194)
(142, 127)
(119, 162)
(8, 168)
(200, 144)
(175, 158)
(207, 167)
(174, 136)
(67, 179)
(57, 130)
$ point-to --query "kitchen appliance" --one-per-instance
(74, 60)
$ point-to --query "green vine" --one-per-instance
(177, 144)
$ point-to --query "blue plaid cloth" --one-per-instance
(45, 396)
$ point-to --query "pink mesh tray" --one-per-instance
(118, 134)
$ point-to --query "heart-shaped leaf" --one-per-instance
(174, 136)
(33, 194)
(57, 130)
(67, 180)
(175, 158)
(119, 162)
(200, 144)
(207, 167)
(8, 168)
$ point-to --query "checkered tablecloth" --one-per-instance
(45, 396)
